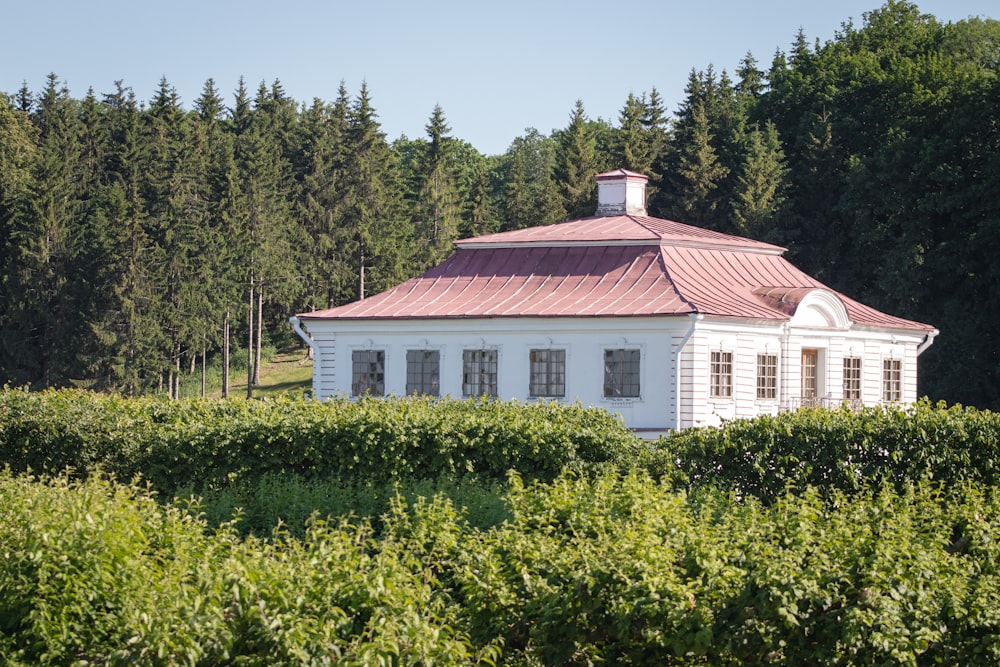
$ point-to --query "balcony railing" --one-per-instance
(796, 402)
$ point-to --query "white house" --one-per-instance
(667, 324)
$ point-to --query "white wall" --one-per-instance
(585, 339)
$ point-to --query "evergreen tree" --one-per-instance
(43, 321)
(377, 236)
(481, 217)
(532, 194)
(18, 147)
(125, 350)
(751, 84)
(319, 208)
(760, 185)
(634, 152)
(439, 212)
(576, 165)
(697, 174)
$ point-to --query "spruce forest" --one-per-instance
(140, 239)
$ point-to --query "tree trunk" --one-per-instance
(203, 378)
(361, 272)
(225, 356)
(250, 332)
(260, 330)
(177, 377)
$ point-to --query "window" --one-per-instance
(810, 378)
(423, 372)
(892, 380)
(852, 378)
(479, 372)
(722, 374)
(548, 373)
(621, 373)
(767, 376)
(368, 372)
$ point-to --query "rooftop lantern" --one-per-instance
(621, 192)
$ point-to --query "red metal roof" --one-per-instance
(617, 174)
(620, 229)
(606, 266)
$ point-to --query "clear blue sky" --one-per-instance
(496, 67)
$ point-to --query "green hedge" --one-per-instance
(837, 449)
(206, 445)
(93, 572)
(604, 569)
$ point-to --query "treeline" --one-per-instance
(134, 235)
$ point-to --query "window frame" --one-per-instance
(548, 374)
(485, 372)
(378, 371)
(427, 371)
(720, 375)
(892, 380)
(853, 378)
(624, 372)
(767, 376)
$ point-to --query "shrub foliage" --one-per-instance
(838, 449)
(207, 445)
(620, 569)
(816, 537)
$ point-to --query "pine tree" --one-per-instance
(699, 173)
(634, 152)
(481, 217)
(261, 209)
(576, 165)
(212, 158)
(318, 207)
(379, 238)
(43, 316)
(532, 195)
(761, 186)
(751, 84)
(18, 146)
(125, 349)
(439, 212)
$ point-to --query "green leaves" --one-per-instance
(205, 445)
(840, 449)
(817, 537)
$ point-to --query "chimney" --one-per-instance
(621, 192)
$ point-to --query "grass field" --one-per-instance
(288, 371)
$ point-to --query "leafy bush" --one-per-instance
(207, 445)
(628, 571)
(96, 572)
(837, 449)
(610, 568)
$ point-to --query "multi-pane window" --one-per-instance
(548, 373)
(479, 372)
(721, 376)
(852, 378)
(423, 372)
(621, 373)
(892, 380)
(767, 376)
(367, 372)
(810, 378)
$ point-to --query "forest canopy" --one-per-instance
(133, 234)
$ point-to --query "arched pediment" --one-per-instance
(821, 308)
(813, 307)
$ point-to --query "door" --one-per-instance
(810, 378)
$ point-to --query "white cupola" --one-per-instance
(621, 192)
